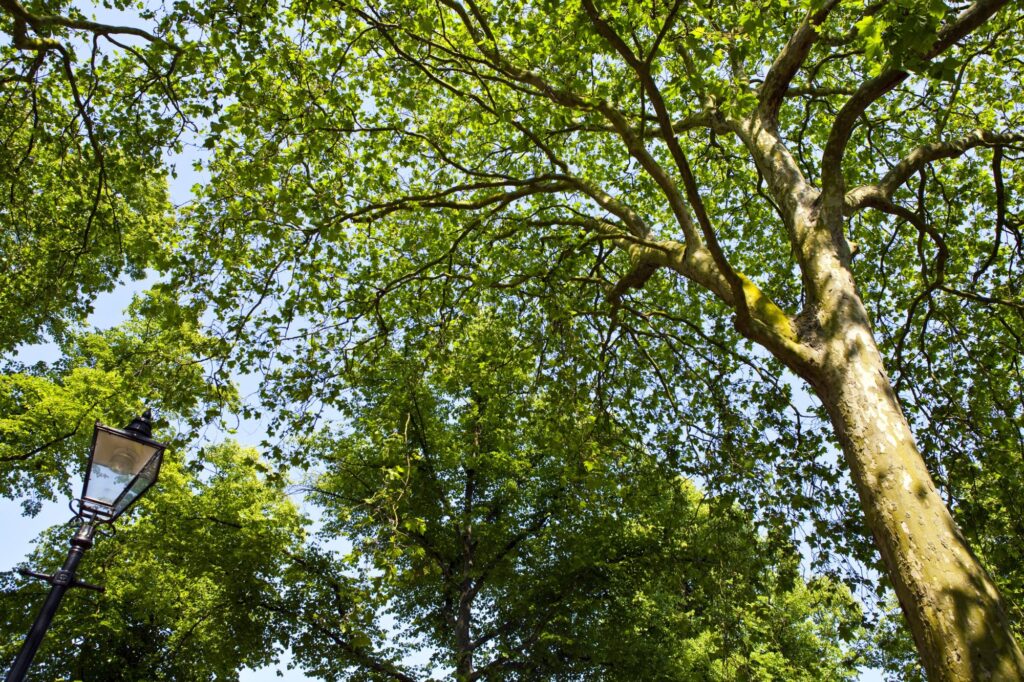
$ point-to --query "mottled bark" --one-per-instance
(951, 604)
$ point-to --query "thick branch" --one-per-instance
(912, 163)
(789, 61)
(39, 22)
(871, 90)
(786, 182)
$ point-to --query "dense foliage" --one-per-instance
(509, 530)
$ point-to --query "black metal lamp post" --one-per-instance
(123, 464)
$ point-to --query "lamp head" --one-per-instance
(123, 465)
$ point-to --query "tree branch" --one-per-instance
(38, 22)
(873, 89)
(912, 163)
(789, 61)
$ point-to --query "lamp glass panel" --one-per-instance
(141, 484)
(116, 461)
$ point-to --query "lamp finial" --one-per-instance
(142, 425)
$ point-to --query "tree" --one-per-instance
(792, 169)
(505, 529)
(176, 605)
(84, 191)
(495, 519)
(838, 182)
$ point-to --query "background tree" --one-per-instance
(502, 524)
(500, 518)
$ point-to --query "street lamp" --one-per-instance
(123, 464)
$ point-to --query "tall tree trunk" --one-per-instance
(463, 625)
(950, 602)
(467, 592)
